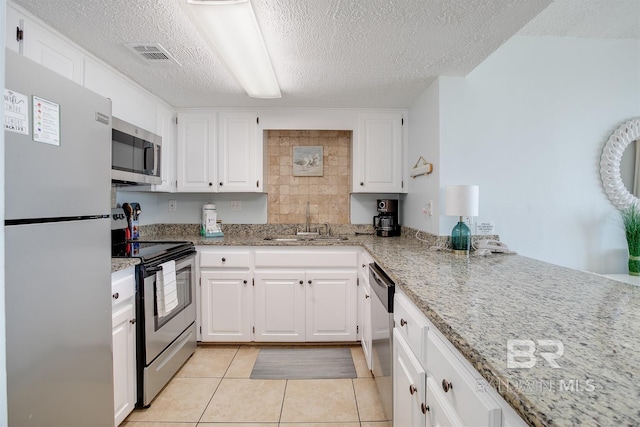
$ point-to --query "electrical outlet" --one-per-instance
(236, 205)
(173, 204)
(427, 209)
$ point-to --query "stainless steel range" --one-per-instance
(165, 335)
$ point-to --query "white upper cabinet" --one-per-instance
(378, 154)
(196, 152)
(239, 157)
(43, 47)
(166, 128)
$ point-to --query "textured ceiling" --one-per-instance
(326, 53)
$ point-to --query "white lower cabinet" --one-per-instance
(226, 306)
(278, 295)
(280, 307)
(124, 343)
(305, 306)
(434, 385)
(306, 294)
(441, 414)
(330, 307)
(364, 306)
(226, 294)
(409, 407)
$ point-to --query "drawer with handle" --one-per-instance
(224, 259)
(123, 285)
(411, 324)
(459, 386)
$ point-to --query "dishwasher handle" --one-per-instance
(382, 286)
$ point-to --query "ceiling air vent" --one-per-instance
(152, 53)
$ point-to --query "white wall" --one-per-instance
(424, 140)
(3, 349)
(528, 125)
(155, 207)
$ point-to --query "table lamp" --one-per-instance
(461, 201)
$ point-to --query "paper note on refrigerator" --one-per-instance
(46, 121)
(16, 112)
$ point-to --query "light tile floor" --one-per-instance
(213, 389)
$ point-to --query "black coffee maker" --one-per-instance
(386, 222)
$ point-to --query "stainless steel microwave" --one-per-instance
(135, 154)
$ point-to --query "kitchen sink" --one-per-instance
(306, 239)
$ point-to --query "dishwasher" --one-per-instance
(382, 335)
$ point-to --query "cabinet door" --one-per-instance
(364, 306)
(238, 167)
(124, 359)
(50, 51)
(279, 307)
(196, 150)
(226, 306)
(440, 413)
(378, 156)
(365, 323)
(331, 302)
(409, 383)
(167, 130)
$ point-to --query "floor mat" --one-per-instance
(303, 363)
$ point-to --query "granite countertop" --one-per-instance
(118, 264)
(480, 302)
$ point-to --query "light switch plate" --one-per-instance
(173, 205)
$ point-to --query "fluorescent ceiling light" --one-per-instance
(232, 28)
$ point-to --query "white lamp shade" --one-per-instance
(461, 200)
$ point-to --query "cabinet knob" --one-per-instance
(220, 184)
(446, 385)
(116, 295)
(301, 282)
(211, 184)
(132, 321)
(403, 322)
(224, 259)
(309, 281)
(367, 296)
(363, 265)
(362, 183)
(424, 408)
(412, 389)
(244, 281)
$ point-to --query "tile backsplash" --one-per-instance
(327, 195)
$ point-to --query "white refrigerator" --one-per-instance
(57, 249)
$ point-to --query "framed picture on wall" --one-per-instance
(307, 161)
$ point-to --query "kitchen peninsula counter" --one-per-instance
(480, 302)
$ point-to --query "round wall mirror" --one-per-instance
(621, 196)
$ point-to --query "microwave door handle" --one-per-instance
(148, 158)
